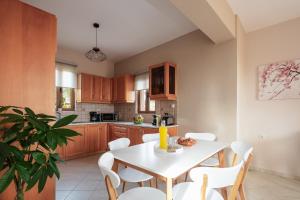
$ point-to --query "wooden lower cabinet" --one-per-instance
(77, 147)
(93, 139)
(135, 133)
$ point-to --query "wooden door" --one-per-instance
(121, 88)
(92, 138)
(86, 88)
(78, 146)
(106, 90)
(103, 137)
(135, 135)
(115, 89)
(97, 89)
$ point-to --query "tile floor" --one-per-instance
(81, 180)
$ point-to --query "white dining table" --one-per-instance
(168, 166)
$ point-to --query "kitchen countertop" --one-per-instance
(144, 125)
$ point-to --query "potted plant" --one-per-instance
(27, 147)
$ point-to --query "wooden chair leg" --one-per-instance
(150, 183)
(242, 193)
(156, 184)
(142, 184)
(123, 188)
(186, 176)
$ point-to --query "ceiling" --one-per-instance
(127, 27)
(257, 14)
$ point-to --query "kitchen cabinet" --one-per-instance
(96, 138)
(85, 82)
(135, 133)
(97, 89)
(94, 89)
(78, 146)
(106, 90)
(118, 131)
(163, 84)
(123, 89)
(93, 139)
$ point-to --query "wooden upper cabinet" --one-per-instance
(86, 87)
(107, 90)
(163, 84)
(97, 89)
(94, 89)
(123, 89)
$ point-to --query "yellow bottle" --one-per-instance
(163, 136)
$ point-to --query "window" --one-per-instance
(65, 98)
(66, 82)
(145, 105)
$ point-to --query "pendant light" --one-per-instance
(95, 54)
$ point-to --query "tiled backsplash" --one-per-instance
(128, 111)
(83, 110)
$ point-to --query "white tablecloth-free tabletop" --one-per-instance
(167, 165)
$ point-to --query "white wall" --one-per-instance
(272, 126)
(206, 81)
(105, 68)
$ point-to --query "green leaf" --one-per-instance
(54, 167)
(39, 157)
(55, 156)
(7, 178)
(42, 179)
(30, 112)
(64, 121)
(24, 174)
(18, 111)
(34, 179)
(46, 116)
(39, 125)
(51, 141)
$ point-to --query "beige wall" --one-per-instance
(272, 126)
(206, 81)
(105, 68)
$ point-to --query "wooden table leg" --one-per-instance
(169, 186)
(221, 155)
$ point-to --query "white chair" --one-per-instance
(210, 162)
(206, 180)
(112, 182)
(128, 174)
(242, 151)
(150, 137)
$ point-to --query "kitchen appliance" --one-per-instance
(94, 117)
(109, 117)
(168, 119)
(156, 120)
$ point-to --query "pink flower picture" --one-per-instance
(280, 80)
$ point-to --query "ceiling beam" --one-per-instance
(213, 17)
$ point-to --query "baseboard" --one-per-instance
(267, 171)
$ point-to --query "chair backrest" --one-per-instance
(112, 179)
(150, 137)
(201, 136)
(106, 160)
(119, 144)
(217, 177)
(241, 151)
